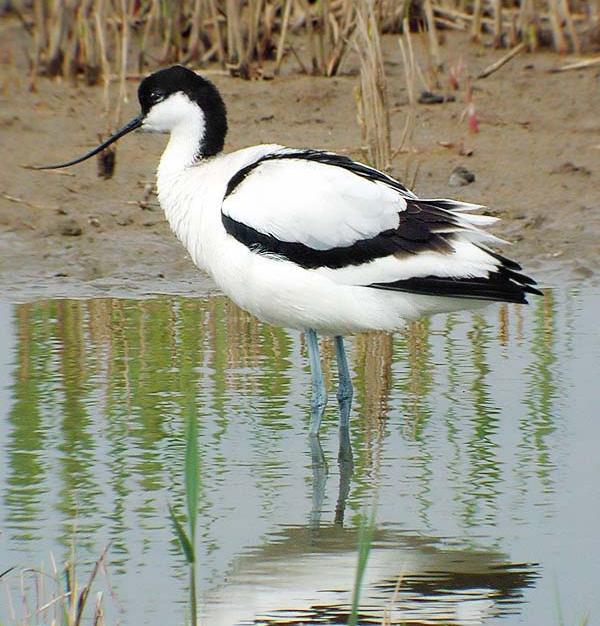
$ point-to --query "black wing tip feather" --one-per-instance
(504, 285)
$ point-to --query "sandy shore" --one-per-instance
(536, 161)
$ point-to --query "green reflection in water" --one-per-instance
(484, 470)
(451, 393)
(415, 351)
(539, 424)
(102, 388)
(25, 486)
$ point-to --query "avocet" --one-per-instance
(310, 239)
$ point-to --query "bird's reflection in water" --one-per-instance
(320, 473)
(303, 577)
(306, 574)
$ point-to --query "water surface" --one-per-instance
(474, 437)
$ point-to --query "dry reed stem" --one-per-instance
(410, 76)
(55, 52)
(566, 11)
(577, 65)
(476, 24)
(497, 21)
(434, 46)
(373, 110)
(387, 612)
(234, 35)
(218, 35)
(63, 602)
(124, 42)
(193, 50)
(65, 35)
(105, 65)
(284, 29)
(560, 43)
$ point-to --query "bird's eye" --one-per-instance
(156, 96)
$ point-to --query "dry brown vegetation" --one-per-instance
(110, 38)
(55, 597)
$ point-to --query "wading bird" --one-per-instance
(309, 239)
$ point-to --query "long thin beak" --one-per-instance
(136, 122)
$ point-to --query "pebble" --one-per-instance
(460, 177)
(70, 228)
(570, 168)
(428, 97)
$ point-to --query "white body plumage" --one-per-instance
(333, 301)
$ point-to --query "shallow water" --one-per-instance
(474, 438)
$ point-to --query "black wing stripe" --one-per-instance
(359, 252)
(319, 156)
(420, 229)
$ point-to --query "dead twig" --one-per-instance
(490, 69)
(577, 65)
(31, 205)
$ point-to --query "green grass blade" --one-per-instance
(365, 538)
(184, 542)
(191, 472)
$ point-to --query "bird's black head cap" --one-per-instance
(175, 79)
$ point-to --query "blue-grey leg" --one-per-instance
(319, 394)
(344, 392)
(346, 466)
(319, 471)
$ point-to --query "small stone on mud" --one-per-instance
(570, 168)
(534, 222)
(460, 177)
(70, 228)
(428, 97)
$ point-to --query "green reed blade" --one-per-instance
(365, 538)
(184, 542)
(191, 472)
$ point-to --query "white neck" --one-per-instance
(183, 147)
(180, 154)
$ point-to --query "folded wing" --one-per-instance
(359, 226)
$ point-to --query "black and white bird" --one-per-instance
(310, 239)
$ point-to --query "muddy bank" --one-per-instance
(535, 159)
